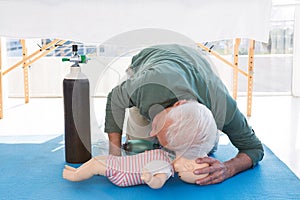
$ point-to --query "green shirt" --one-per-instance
(165, 74)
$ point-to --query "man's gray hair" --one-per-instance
(193, 132)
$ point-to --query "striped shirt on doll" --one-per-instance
(126, 170)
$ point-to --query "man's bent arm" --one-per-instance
(218, 171)
(238, 164)
(115, 143)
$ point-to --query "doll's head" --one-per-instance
(185, 169)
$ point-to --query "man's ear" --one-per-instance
(180, 102)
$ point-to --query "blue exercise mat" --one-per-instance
(34, 171)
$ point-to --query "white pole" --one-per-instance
(296, 56)
(4, 83)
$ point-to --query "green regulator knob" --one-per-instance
(75, 57)
(83, 59)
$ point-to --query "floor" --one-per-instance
(275, 119)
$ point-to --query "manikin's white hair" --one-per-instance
(193, 132)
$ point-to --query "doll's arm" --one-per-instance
(95, 166)
(155, 173)
(154, 181)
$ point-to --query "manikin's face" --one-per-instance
(185, 169)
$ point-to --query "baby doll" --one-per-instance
(150, 167)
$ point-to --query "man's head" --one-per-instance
(188, 128)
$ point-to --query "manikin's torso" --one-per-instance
(127, 170)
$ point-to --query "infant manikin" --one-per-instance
(152, 167)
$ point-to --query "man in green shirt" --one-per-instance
(162, 78)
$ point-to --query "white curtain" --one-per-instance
(95, 21)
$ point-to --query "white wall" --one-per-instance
(46, 76)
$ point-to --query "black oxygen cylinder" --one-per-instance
(77, 116)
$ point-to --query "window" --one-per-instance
(14, 48)
(66, 49)
(273, 60)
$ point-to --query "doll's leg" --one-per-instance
(95, 166)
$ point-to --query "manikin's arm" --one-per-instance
(156, 181)
(95, 166)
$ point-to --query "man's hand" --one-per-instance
(217, 171)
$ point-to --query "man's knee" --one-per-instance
(138, 127)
